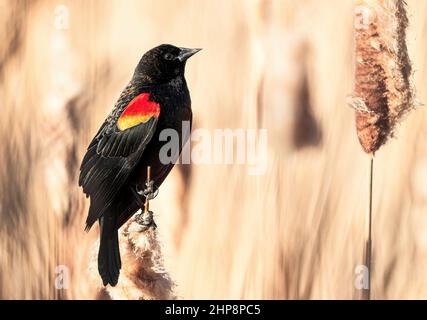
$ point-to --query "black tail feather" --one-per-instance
(109, 263)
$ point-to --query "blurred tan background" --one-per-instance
(285, 65)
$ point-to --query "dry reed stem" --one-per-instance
(366, 294)
(383, 91)
(147, 201)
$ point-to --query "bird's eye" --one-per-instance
(168, 56)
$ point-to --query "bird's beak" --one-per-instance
(186, 53)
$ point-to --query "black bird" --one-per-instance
(114, 169)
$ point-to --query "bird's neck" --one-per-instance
(144, 81)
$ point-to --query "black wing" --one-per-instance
(110, 158)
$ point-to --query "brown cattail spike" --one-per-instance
(383, 92)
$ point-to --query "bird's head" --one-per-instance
(163, 63)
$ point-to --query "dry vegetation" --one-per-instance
(383, 88)
(286, 65)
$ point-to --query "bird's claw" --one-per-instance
(146, 220)
(151, 195)
(150, 191)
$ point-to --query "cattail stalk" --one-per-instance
(147, 202)
(368, 231)
(383, 92)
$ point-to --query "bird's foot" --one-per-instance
(150, 190)
(146, 220)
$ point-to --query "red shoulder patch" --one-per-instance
(139, 110)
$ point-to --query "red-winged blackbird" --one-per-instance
(114, 169)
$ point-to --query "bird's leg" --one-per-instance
(150, 191)
(144, 218)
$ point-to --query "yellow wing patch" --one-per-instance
(139, 110)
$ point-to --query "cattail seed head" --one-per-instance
(383, 92)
